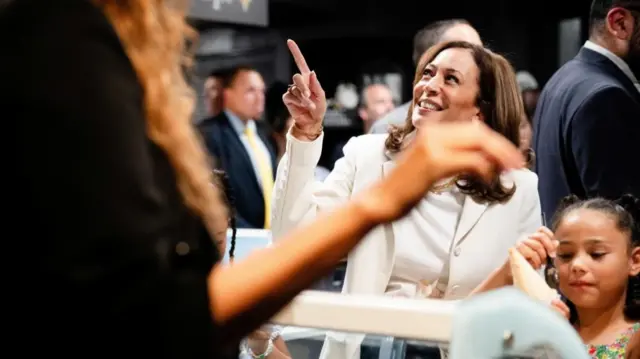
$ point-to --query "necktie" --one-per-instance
(265, 173)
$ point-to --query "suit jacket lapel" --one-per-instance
(471, 213)
(471, 210)
(387, 167)
(236, 148)
(388, 234)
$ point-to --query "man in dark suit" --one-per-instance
(587, 124)
(240, 149)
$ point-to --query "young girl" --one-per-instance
(266, 342)
(597, 261)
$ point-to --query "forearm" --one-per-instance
(293, 196)
(499, 278)
(251, 291)
(279, 348)
(277, 354)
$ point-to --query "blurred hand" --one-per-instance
(633, 347)
(538, 246)
(258, 341)
(440, 150)
(560, 307)
(305, 99)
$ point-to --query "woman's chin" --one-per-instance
(419, 119)
(416, 122)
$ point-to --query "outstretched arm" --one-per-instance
(251, 291)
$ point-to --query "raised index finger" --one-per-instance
(298, 58)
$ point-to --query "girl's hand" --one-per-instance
(560, 307)
(258, 341)
(633, 347)
(538, 246)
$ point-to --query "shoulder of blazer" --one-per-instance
(214, 121)
(524, 179)
(369, 148)
(213, 126)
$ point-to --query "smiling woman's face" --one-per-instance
(448, 89)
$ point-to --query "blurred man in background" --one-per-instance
(376, 101)
(213, 93)
(240, 148)
(530, 93)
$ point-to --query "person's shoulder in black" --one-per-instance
(112, 259)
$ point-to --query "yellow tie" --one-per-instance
(266, 174)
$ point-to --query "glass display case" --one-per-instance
(500, 324)
(249, 240)
(383, 327)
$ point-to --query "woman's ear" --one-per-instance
(634, 262)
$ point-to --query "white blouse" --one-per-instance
(423, 246)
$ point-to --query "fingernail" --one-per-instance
(307, 93)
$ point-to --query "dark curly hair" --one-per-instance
(499, 101)
(230, 202)
(626, 213)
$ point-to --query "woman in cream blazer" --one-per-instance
(481, 231)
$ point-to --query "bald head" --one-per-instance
(443, 30)
(462, 32)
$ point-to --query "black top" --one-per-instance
(586, 132)
(110, 260)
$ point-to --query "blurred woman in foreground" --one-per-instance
(117, 191)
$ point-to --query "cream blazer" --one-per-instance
(483, 236)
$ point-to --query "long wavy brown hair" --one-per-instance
(159, 44)
(499, 101)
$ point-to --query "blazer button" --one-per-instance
(454, 289)
(182, 248)
(456, 252)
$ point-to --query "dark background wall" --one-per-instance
(341, 39)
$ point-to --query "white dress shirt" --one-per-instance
(240, 128)
(424, 242)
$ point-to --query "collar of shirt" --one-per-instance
(239, 126)
(624, 67)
